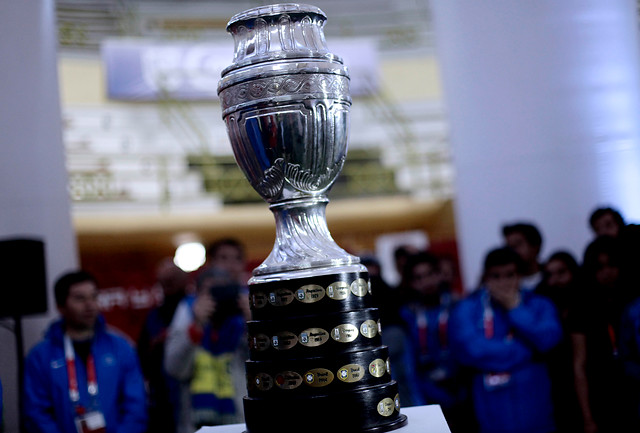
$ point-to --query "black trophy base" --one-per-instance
(366, 410)
(396, 424)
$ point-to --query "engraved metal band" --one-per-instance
(318, 377)
(327, 86)
(314, 337)
(310, 290)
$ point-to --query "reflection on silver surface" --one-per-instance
(285, 102)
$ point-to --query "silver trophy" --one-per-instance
(314, 337)
(286, 106)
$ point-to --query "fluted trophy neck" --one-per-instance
(284, 31)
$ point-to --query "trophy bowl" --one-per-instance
(285, 102)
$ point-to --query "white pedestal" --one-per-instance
(422, 419)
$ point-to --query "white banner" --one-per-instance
(139, 70)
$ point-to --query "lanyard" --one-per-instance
(614, 340)
(70, 359)
(487, 316)
(423, 326)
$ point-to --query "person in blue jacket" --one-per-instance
(630, 357)
(436, 377)
(502, 333)
(82, 378)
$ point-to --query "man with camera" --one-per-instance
(206, 349)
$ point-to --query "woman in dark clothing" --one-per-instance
(595, 333)
(561, 283)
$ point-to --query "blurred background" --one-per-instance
(149, 162)
(465, 117)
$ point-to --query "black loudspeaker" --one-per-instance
(23, 283)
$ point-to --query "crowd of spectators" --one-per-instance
(537, 346)
(186, 370)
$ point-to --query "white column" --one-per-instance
(33, 182)
(543, 99)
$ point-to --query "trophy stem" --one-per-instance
(303, 240)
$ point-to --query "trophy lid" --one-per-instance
(277, 32)
(277, 9)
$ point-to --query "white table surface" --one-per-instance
(422, 419)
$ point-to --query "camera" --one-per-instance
(226, 297)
